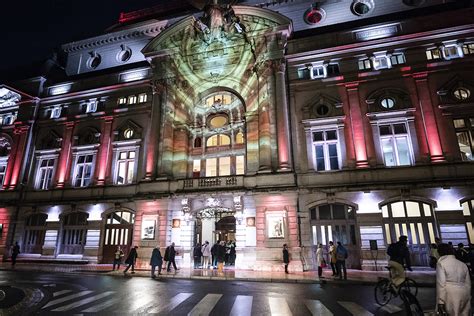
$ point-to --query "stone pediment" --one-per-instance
(8, 97)
(322, 105)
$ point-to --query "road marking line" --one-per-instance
(317, 308)
(140, 302)
(242, 306)
(101, 306)
(67, 298)
(279, 306)
(55, 294)
(391, 309)
(355, 309)
(83, 302)
(206, 305)
(174, 302)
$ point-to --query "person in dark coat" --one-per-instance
(156, 260)
(286, 257)
(214, 254)
(197, 254)
(221, 252)
(15, 252)
(131, 259)
(170, 254)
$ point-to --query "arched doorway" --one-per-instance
(35, 231)
(214, 223)
(74, 233)
(118, 232)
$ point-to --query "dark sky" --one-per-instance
(31, 29)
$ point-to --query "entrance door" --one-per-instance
(74, 233)
(35, 230)
(118, 232)
(336, 222)
(225, 229)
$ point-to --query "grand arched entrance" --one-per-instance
(213, 224)
(118, 232)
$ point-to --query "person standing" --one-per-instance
(399, 257)
(221, 252)
(286, 257)
(171, 257)
(197, 254)
(232, 254)
(15, 253)
(131, 260)
(453, 284)
(461, 253)
(341, 256)
(118, 255)
(206, 253)
(332, 257)
(156, 260)
(320, 263)
(214, 254)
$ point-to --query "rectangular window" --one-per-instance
(364, 64)
(326, 150)
(451, 52)
(142, 98)
(239, 165)
(323, 234)
(45, 174)
(388, 236)
(125, 167)
(91, 107)
(414, 238)
(196, 168)
(83, 170)
(3, 170)
(470, 232)
(332, 70)
(315, 235)
(132, 99)
(413, 209)
(381, 62)
(468, 49)
(55, 112)
(398, 209)
(464, 133)
(397, 59)
(431, 232)
(421, 233)
(224, 166)
(433, 53)
(318, 72)
(122, 100)
(395, 145)
(211, 167)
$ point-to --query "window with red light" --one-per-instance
(314, 16)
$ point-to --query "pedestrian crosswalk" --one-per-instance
(193, 304)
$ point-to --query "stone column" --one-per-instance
(264, 145)
(16, 157)
(180, 157)
(426, 111)
(65, 156)
(105, 151)
(357, 125)
(283, 136)
(153, 131)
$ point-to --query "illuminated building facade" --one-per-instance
(295, 122)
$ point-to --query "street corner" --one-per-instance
(16, 300)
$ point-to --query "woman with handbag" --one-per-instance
(320, 262)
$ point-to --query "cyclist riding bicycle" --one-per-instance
(399, 257)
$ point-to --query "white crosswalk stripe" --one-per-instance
(67, 298)
(101, 306)
(139, 303)
(83, 302)
(174, 302)
(317, 308)
(206, 305)
(56, 294)
(279, 306)
(242, 306)
(355, 309)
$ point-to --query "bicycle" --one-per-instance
(385, 289)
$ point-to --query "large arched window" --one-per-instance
(74, 233)
(219, 123)
(35, 230)
(414, 219)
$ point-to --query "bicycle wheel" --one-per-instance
(383, 294)
(410, 286)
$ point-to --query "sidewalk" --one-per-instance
(423, 278)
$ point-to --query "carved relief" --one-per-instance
(8, 98)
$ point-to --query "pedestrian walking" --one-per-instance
(221, 252)
(341, 256)
(170, 256)
(214, 254)
(286, 257)
(462, 254)
(332, 258)
(453, 284)
(197, 254)
(15, 253)
(156, 260)
(131, 260)
(320, 262)
(206, 253)
(118, 255)
(233, 254)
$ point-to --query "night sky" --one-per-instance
(32, 29)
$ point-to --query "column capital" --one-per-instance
(279, 65)
(20, 129)
(423, 75)
(70, 124)
(158, 86)
(108, 118)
